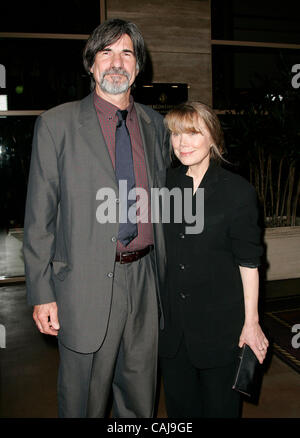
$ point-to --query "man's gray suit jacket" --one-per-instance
(69, 256)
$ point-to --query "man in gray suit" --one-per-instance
(97, 292)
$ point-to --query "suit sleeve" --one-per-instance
(40, 216)
(245, 233)
(166, 148)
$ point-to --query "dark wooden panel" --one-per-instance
(193, 69)
(177, 34)
(168, 26)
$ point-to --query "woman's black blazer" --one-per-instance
(203, 300)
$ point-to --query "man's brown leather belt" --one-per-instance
(132, 256)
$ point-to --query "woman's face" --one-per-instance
(192, 148)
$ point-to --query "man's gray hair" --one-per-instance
(107, 34)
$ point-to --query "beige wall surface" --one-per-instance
(177, 34)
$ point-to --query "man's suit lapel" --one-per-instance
(148, 137)
(92, 134)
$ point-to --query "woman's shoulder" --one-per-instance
(235, 178)
(236, 183)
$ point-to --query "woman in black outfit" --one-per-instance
(211, 300)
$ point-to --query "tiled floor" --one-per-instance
(279, 395)
(29, 371)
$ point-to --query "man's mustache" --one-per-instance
(116, 71)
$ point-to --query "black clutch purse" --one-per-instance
(248, 365)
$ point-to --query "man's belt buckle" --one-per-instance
(123, 255)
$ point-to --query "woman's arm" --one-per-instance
(252, 333)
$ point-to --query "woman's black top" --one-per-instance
(203, 300)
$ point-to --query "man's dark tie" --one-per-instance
(124, 171)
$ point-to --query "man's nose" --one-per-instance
(116, 60)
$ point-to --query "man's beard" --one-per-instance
(114, 85)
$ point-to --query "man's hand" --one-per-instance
(45, 317)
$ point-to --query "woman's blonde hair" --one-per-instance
(189, 116)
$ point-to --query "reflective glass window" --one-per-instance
(273, 21)
(42, 73)
(55, 16)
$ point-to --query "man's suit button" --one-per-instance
(114, 239)
(181, 236)
(110, 274)
(183, 295)
(182, 267)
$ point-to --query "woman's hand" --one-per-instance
(253, 335)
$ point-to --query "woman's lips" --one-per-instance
(186, 153)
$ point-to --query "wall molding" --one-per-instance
(255, 44)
